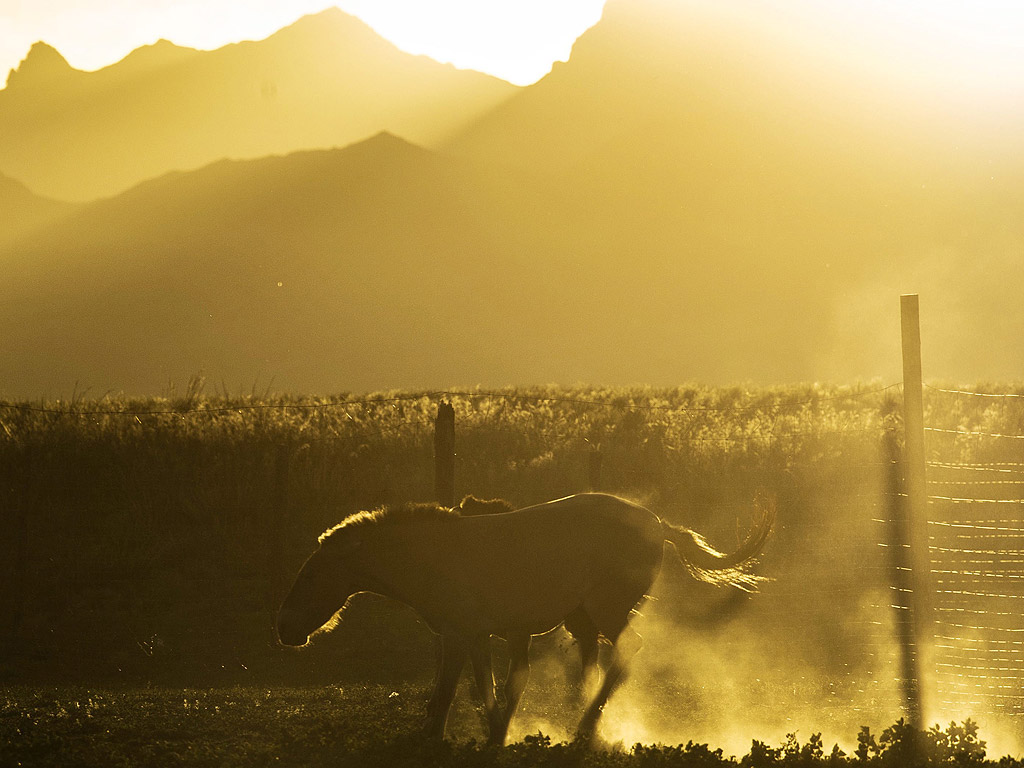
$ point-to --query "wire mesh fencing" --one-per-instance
(976, 533)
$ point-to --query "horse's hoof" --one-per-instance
(586, 736)
(432, 732)
(497, 737)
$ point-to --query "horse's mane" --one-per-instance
(412, 512)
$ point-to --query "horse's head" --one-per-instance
(324, 584)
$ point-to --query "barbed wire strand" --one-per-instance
(972, 433)
(1009, 395)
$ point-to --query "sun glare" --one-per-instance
(952, 43)
(515, 41)
(944, 44)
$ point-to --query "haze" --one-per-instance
(709, 192)
(324, 210)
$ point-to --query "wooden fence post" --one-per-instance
(444, 454)
(902, 580)
(914, 509)
(444, 485)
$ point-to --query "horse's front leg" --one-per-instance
(480, 653)
(453, 658)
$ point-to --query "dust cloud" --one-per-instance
(728, 688)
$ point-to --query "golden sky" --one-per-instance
(961, 44)
(514, 39)
(977, 45)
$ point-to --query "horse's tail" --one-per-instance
(707, 564)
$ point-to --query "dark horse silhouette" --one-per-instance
(585, 561)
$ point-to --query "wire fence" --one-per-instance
(850, 599)
(695, 454)
(976, 537)
(976, 489)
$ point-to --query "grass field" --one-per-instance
(369, 726)
(147, 544)
(199, 726)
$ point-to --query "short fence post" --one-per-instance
(914, 509)
(444, 454)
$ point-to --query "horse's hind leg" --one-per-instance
(581, 627)
(480, 652)
(453, 659)
(517, 678)
(624, 648)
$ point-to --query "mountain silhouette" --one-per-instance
(768, 185)
(684, 199)
(327, 80)
(21, 211)
(43, 68)
(320, 269)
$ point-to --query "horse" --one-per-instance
(584, 561)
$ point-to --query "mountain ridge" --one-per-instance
(24, 211)
(42, 66)
(277, 266)
(642, 213)
(326, 80)
(698, 146)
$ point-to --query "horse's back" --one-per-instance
(626, 538)
(597, 506)
(604, 518)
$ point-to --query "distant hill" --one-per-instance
(22, 211)
(684, 200)
(334, 269)
(782, 199)
(327, 80)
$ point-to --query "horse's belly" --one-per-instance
(536, 607)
